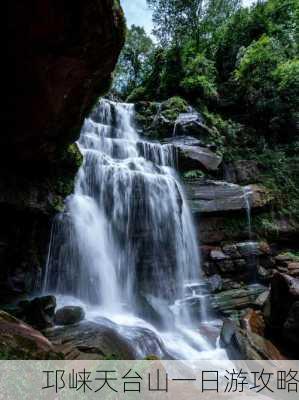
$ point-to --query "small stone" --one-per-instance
(69, 315)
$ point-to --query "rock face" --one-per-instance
(217, 197)
(64, 53)
(282, 315)
(247, 342)
(39, 312)
(242, 172)
(20, 341)
(64, 62)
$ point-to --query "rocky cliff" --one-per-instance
(64, 53)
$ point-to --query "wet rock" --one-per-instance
(90, 341)
(20, 341)
(39, 312)
(264, 274)
(229, 301)
(215, 283)
(183, 140)
(262, 299)
(248, 249)
(69, 315)
(211, 197)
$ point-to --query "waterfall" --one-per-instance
(247, 199)
(126, 240)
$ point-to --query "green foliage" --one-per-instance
(281, 177)
(132, 65)
(200, 76)
(294, 256)
(174, 106)
(241, 62)
(193, 174)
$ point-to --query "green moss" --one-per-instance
(194, 174)
(174, 106)
(292, 255)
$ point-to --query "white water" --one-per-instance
(125, 246)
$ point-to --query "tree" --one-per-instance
(132, 65)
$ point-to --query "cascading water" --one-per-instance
(125, 245)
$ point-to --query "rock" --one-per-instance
(229, 284)
(81, 43)
(262, 299)
(218, 255)
(281, 312)
(286, 288)
(39, 312)
(260, 196)
(192, 158)
(102, 340)
(242, 172)
(215, 283)
(193, 154)
(248, 249)
(90, 340)
(69, 315)
(236, 299)
(264, 275)
(226, 266)
(255, 345)
(247, 342)
(183, 141)
(191, 123)
(20, 341)
(291, 325)
(211, 197)
(231, 251)
(293, 268)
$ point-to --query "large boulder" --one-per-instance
(217, 197)
(197, 157)
(20, 341)
(248, 341)
(89, 340)
(69, 315)
(104, 339)
(194, 154)
(191, 123)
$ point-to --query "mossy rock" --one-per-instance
(174, 106)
